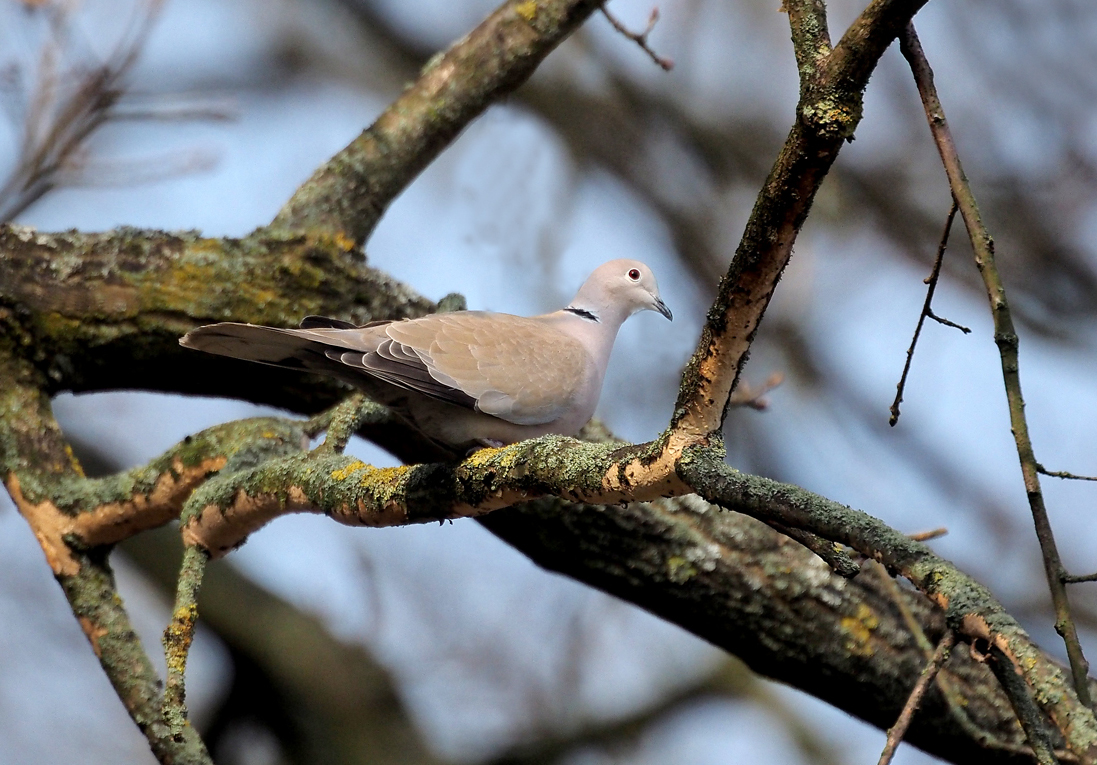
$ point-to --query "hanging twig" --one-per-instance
(899, 729)
(927, 312)
(1005, 337)
(641, 38)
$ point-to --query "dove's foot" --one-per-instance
(484, 443)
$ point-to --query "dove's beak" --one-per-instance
(661, 307)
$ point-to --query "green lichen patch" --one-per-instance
(680, 570)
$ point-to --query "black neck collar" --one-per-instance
(582, 313)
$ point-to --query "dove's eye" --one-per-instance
(634, 274)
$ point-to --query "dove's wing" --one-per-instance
(518, 369)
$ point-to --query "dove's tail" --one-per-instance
(268, 345)
(290, 348)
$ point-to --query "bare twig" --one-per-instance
(641, 38)
(955, 699)
(751, 397)
(1071, 579)
(925, 536)
(947, 323)
(1005, 337)
(1063, 474)
(897, 731)
(57, 122)
(931, 280)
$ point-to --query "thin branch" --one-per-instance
(925, 536)
(897, 731)
(752, 397)
(1063, 474)
(641, 38)
(931, 280)
(1032, 720)
(810, 37)
(1071, 579)
(831, 553)
(891, 586)
(955, 700)
(1005, 336)
(942, 320)
(343, 421)
(178, 637)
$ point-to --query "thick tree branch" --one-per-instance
(346, 197)
(748, 589)
(829, 111)
(222, 512)
(969, 607)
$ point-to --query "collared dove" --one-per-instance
(468, 377)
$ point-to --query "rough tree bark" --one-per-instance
(89, 312)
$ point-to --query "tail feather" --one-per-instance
(267, 345)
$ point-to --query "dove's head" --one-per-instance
(617, 290)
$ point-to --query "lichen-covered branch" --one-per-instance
(221, 513)
(969, 607)
(828, 113)
(810, 37)
(32, 454)
(347, 195)
(85, 307)
(67, 510)
(178, 636)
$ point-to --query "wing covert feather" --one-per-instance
(517, 369)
